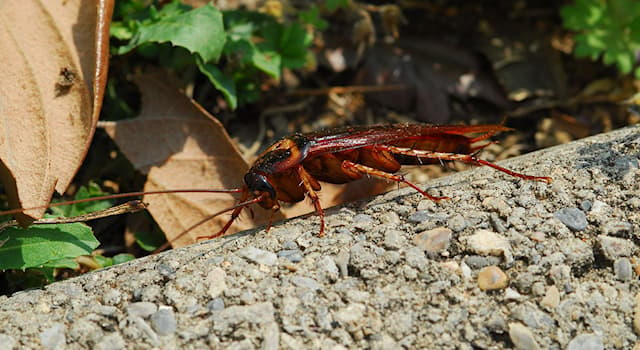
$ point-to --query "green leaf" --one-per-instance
(122, 258)
(312, 17)
(40, 245)
(637, 73)
(149, 241)
(624, 61)
(64, 263)
(334, 4)
(91, 191)
(268, 62)
(199, 30)
(103, 261)
(291, 41)
(223, 83)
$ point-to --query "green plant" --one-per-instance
(608, 29)
(235, 50)
(44, 248)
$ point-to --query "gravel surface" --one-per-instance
(504, 263)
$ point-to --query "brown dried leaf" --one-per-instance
(181, 146)
(48, 112)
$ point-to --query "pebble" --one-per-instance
(476, 262)
(217, 282)
(586, 205)
(613, 247)
(636, 314)
(600, 209)
(485, 242)
(497, 205)
(350, 314)
(54, 337)
(228, 319)
(259, 256)
(7, 341)
(522, 337)
(551, 298)
(622, 269)
(293, 255)
(164, 321)
(142, 309)
(216, 304)
(305, 282)
(166, 270)
(419, 216)
(393, 239)
(270, 336)
(511, 294)
(111, 297)
(622, 229)
(492, 278)
(457, 223)
(434, 241)
(586, 341)
(328, 268)
(111, 341)
(573, 218)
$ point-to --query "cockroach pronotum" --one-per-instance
(291, 168)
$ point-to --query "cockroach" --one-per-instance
(291, 168)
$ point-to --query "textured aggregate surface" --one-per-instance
(504, 263)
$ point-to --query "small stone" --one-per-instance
(164, 321)
(7, 342)
(111, 341)
(551, 298)
(270, 336)
(293, 255)
(618, 229)
(492, 278)
(511, 294)
(636, 314)
(485, 242)
(54, 337)
(573, 218)
(586, 341)
(522, 337)
(305, 282)
(623, 269)
(290, 245)
(476, 262)
(457, 223)
(142, 309)
(390, 217)
(497, 205)
(111, 297)
(613, 247)
(393, 239)
(216, 304)
(350, 314)
(217, 282)
(586, 205)
(434, 241)
(328, 268)
(259, 256)
(166, 270)
(419, 216)
(600, 209)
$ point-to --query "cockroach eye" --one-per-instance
(259, 183)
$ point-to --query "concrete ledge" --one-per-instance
(504, 263)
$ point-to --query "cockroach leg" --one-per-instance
(466, 158)
(308, 187)
(363, 169)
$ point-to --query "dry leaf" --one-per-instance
(181, 146)
(47, 114)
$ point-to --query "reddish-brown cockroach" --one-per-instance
(291, 168)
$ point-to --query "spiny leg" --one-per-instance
(234, 215)
(466, 158)
(363, 169)
(304, 177)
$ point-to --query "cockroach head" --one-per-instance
(257, 182)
